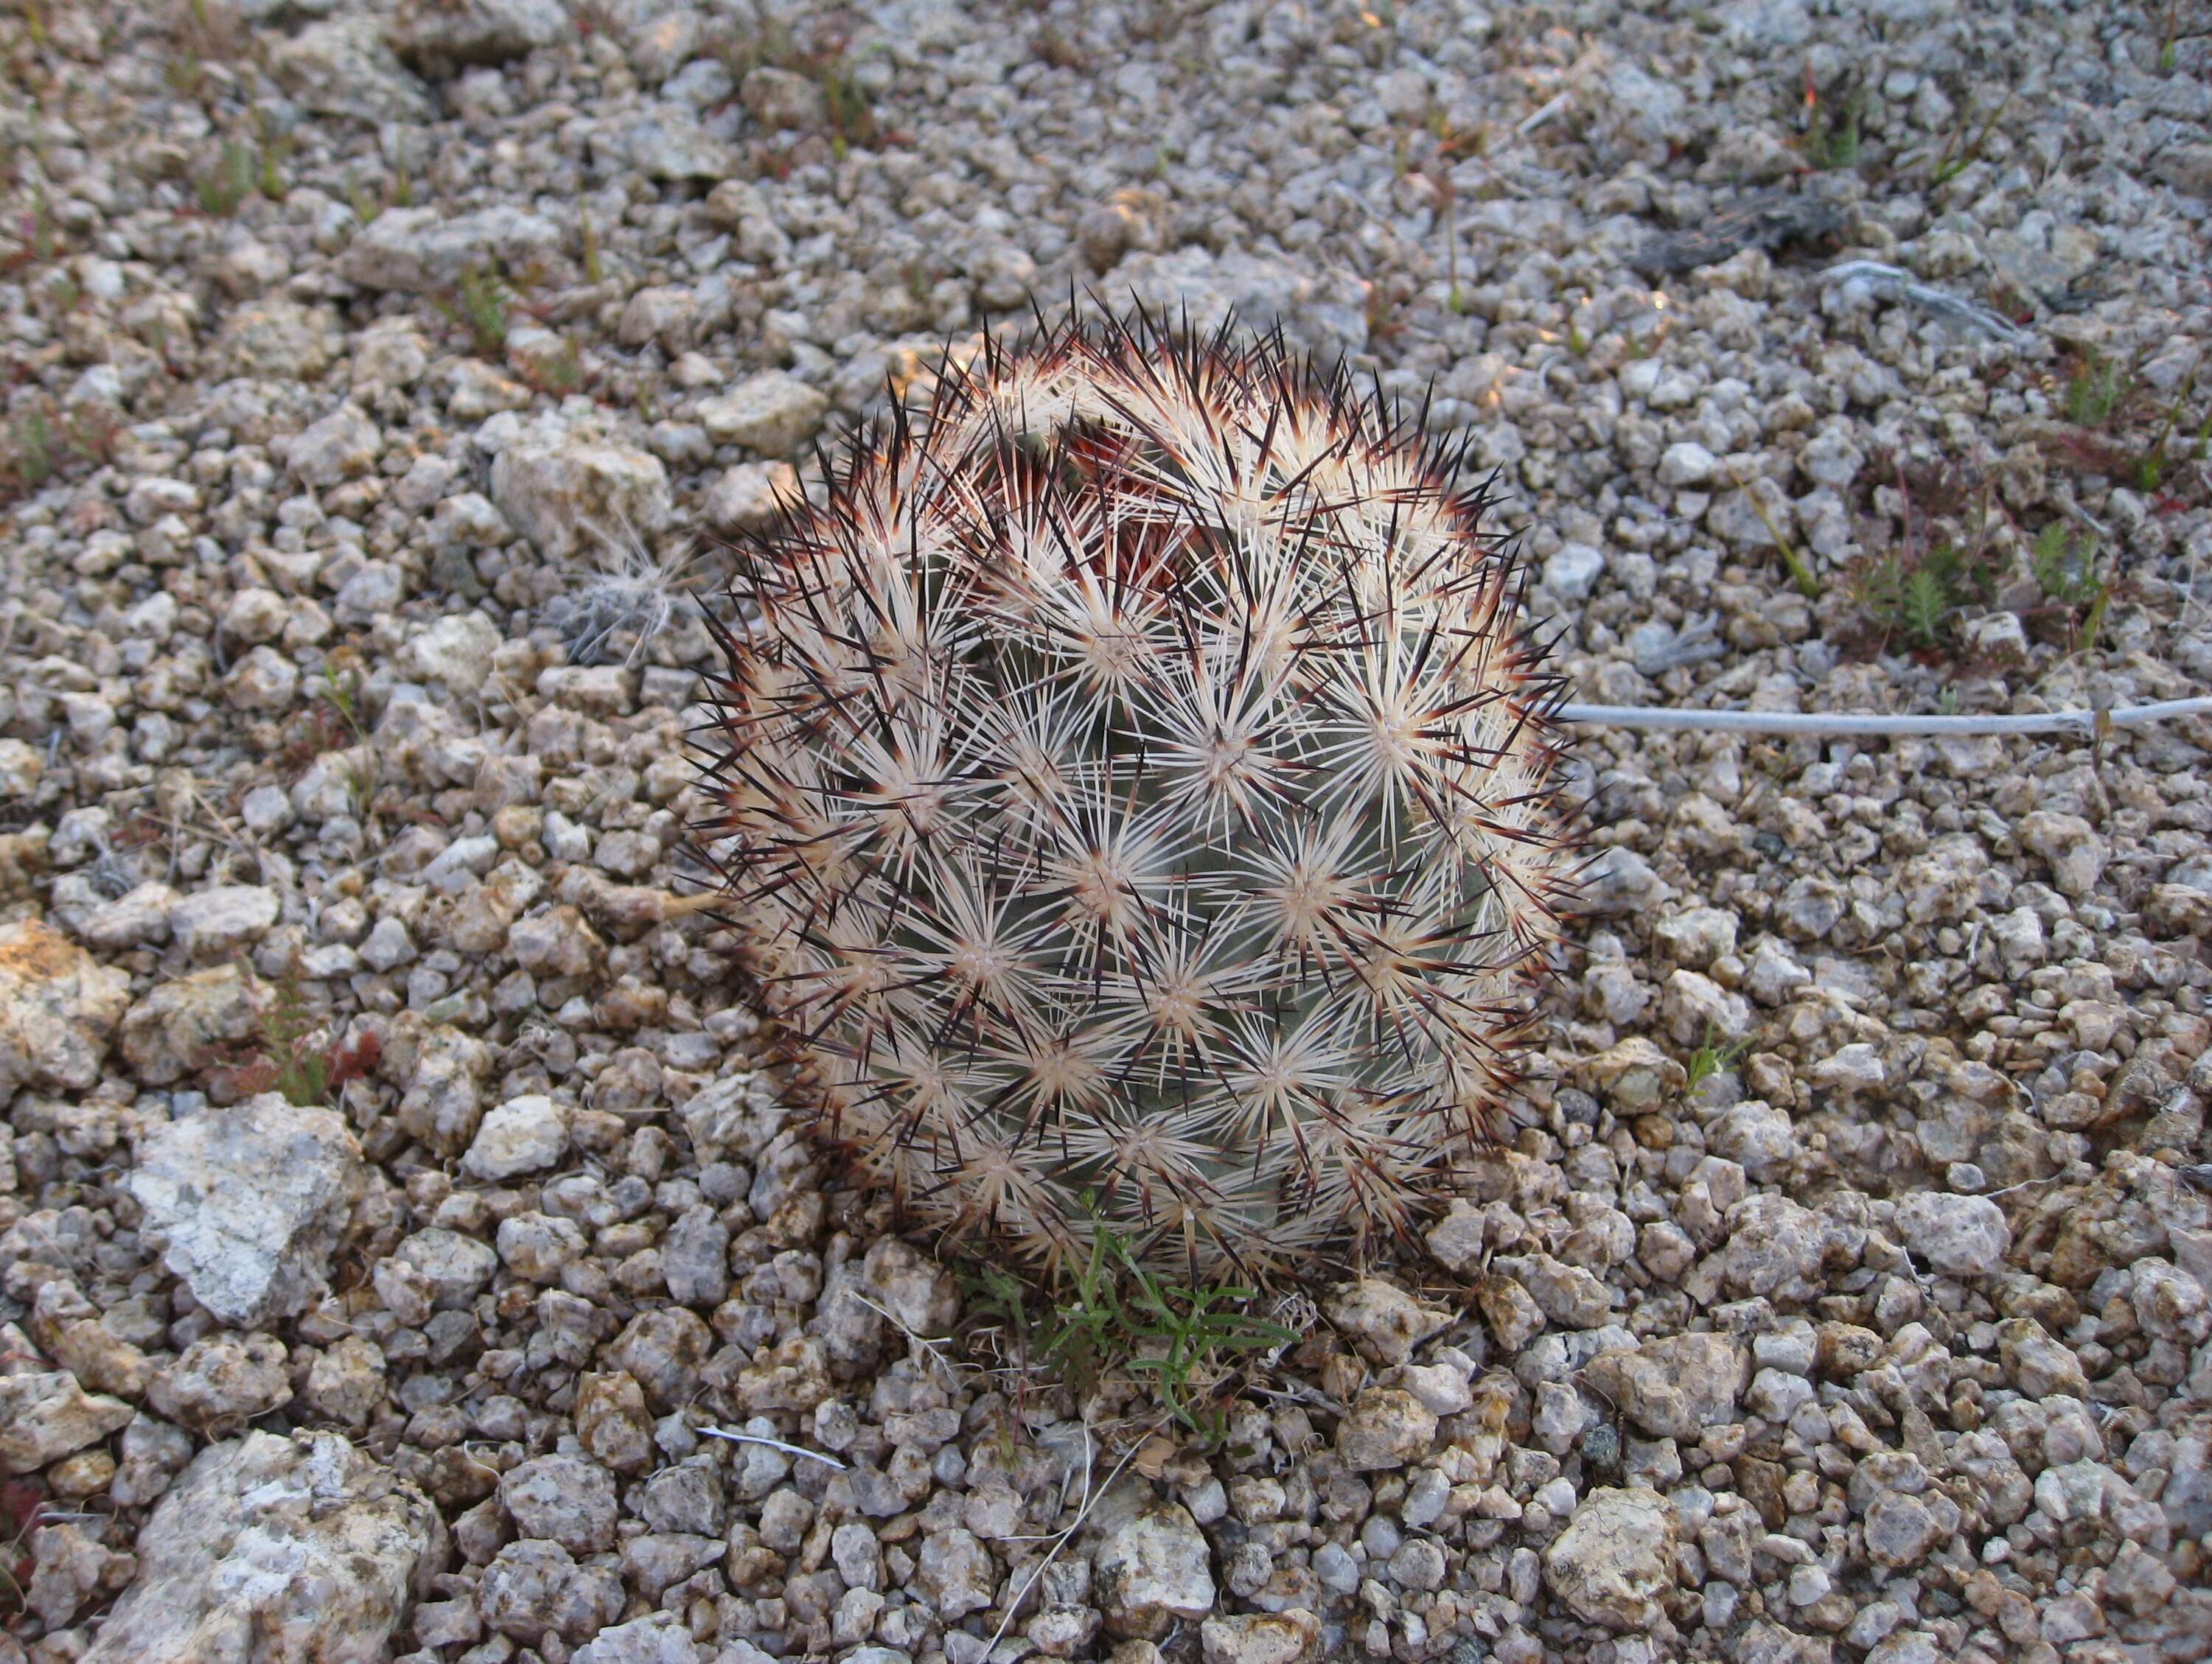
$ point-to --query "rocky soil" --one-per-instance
(405, 1252)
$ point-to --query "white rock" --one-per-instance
(456, 650)
(1283, 1637)
(441, 34)
(1698, 937)
(306, 1546)
(1760, 1136)
(341, 446)
(343, 67)
(45, 1415)
(1573, 571)
(1998, 636)
(1615, 1557)
(214, 924)
(1676, 1386)
(1956, 1235)
(523, 1135)
(58, 1009)
(250, 1203)
(559, 493)
(1381, 1320)
(2077, 852)
(773, 413)
(665, 141)
(658, 1638)
(419, 250)
(1153, 1570)
(1851, 1069)
(137, 917)
(745, 497)
(1687, 464)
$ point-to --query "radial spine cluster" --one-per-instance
(1140, 799)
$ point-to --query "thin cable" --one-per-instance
(1842, 722)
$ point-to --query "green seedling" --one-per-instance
(229, 183)
(1802, 575)
(480, 305)
(1111, 1314)
(1955, 161)
(1711, 1058)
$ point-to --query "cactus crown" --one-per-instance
(1140, 800)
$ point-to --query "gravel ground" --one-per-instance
(398, 1223)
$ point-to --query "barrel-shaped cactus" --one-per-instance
(1139, 795)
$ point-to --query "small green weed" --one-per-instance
(480, 305)
(284, 1055)
(1711, 1058)
(1802, 577)
(1961, 152)
(2122, 433)
(30, 459)
(365, 202)
(1919, 586)
(38, 238)
(37, 445)
(559, 372)
(229, 182)
(2064, 565)
(334, 725)
(594, 272)
(849, 113)
(1920, 595)
(2094, 390)
(340, 691)
(1113, 1315)
(2150, 469)
(2067, 569)
(275, 148)
(1830, 138)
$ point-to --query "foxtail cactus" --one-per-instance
(1140, 800)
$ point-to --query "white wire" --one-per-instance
(1843, 722)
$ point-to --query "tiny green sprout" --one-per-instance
(275, 147)
(365, 202)
(32, 464)
(1924, 602)
(594, 273)
(1832, 138)
(1802, 575)
(2150, 466)
(2094, 391)
(480, 304)
(1954, 161)
(1711, 1058)
(229, 183)
(2065, 566)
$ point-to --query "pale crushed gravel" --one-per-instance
(348, 654)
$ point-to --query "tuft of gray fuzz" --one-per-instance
(634, 595)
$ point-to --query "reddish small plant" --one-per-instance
(286, 1056)
(20, 1503)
